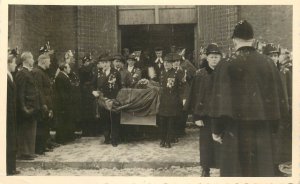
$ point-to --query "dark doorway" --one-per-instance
(150, 36)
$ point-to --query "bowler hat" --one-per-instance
(118, 57)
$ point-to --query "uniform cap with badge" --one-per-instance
(270, 49)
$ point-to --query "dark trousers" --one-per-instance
(247, 149)
(167, 128)
(26, 137)
(179, 127)
(65, 128)
(10, 161)
(111, 122)
(207, 145)
(42, 135)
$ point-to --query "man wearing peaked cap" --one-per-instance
(246, 106)
(170, 104)
(197, 103)
(118, 62)
(109, 83)
(87, 74)
(271, 51)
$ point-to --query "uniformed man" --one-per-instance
(196, 103)
(45, 88)
(109, 83)
(88, 105)
(283, 140)
(135, 72)
(170, 103)
(118, 62)
(189, 72)
(247, 101)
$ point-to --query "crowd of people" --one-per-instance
(242, 103)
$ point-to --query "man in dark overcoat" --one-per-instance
(46, 93)
(28, 105)
(170, 102)
(109, 83)
(247, 102)
(87, 74)
(11, 121)
(65, 126)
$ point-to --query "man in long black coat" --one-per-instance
(28, 104)
(88, 105)
(46, 93)
(11, 122)
(65, 126)
(247, 102)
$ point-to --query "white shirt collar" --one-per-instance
(10, 76)
(28, 68)
(130, 68)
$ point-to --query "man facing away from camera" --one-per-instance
(246, 105)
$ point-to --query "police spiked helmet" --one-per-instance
(243, 30)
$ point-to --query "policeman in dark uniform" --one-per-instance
(247, 102)
(170, 103)
(109, 84)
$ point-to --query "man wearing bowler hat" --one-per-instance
(118, 62)
(247, 102)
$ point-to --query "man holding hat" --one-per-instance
(170, 103)
(109, 83)
(246, 104)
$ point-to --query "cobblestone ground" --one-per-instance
(174, 171)
(147, 154)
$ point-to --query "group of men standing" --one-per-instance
(241, 103)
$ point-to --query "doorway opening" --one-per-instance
(163, 35)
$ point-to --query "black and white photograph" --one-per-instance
(150, 90)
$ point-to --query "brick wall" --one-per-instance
(28, 28)
(97, 29)
(215, 24)
(270, 23)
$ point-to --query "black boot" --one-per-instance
(162, 144)
(205, 172)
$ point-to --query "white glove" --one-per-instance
(199, 123)
(96, 93)
(183, 101)
(217, 138)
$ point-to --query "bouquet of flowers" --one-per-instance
(171, 82)
(112, 80)
(142, 84)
